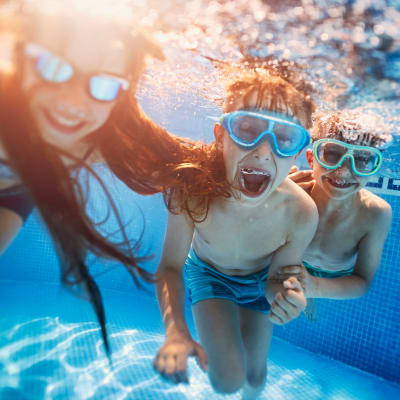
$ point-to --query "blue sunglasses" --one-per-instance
(248, 128)
(54, 69)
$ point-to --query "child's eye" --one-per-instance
(362, 160)
(246, 129)
(248, 132)
(285, 141)
(246, 126)
(333, 156)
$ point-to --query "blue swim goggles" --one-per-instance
(331, 153)
(248, 128)
(54, 69)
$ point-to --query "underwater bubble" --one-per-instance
(349, 49)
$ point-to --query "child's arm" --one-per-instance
(368, 259)
(171, 358)
(287, 298)
(10, 224)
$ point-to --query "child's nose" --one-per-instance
(73, 98)
(345, 169)
(263, 150)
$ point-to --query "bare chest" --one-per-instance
(336, 242)
(238, 241)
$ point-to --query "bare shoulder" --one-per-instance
(376, 213)
(189, 211)
(300, 205)
(375, 208)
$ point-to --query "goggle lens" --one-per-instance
(365, 161)
(289, 138)
(53, 69)
(104, 88)
(331, 153)
(248, 128)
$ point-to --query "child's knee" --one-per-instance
(257, 377)
(228, 380)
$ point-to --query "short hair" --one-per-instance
(352, 127)
(274, 93)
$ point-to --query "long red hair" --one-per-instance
(191, 174)
(56, 191)
(149, 159)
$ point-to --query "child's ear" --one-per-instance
(219, 136)
(310, 158)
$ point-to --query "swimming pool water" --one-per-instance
(50, 348)
(50, 345)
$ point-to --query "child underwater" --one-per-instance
(59, 103)
(227, 254)
(344, 255)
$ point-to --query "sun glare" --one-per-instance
(128, 10)
(6, 46)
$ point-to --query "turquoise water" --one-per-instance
(51, 349)
(50, 345)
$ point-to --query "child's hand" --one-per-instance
(303, 178)
(307, 281)
(288, 304)
(171, 359)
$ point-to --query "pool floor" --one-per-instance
(50, 348)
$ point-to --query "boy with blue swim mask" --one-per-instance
(353, 222)
(227, 258)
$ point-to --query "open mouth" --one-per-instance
(63, 124)
(253, 181)
(339, 183)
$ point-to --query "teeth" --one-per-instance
(66, 121)
(340, 182)
(254, 173)
(248, 171)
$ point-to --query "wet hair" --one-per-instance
(273, 93)
(352, 127)
(56, 190)
(149, 159)
(189, 174)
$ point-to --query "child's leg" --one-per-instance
(217, 325)
(256, 331)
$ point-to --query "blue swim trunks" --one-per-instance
(311, 311)
(205, 282)
(320, 273)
